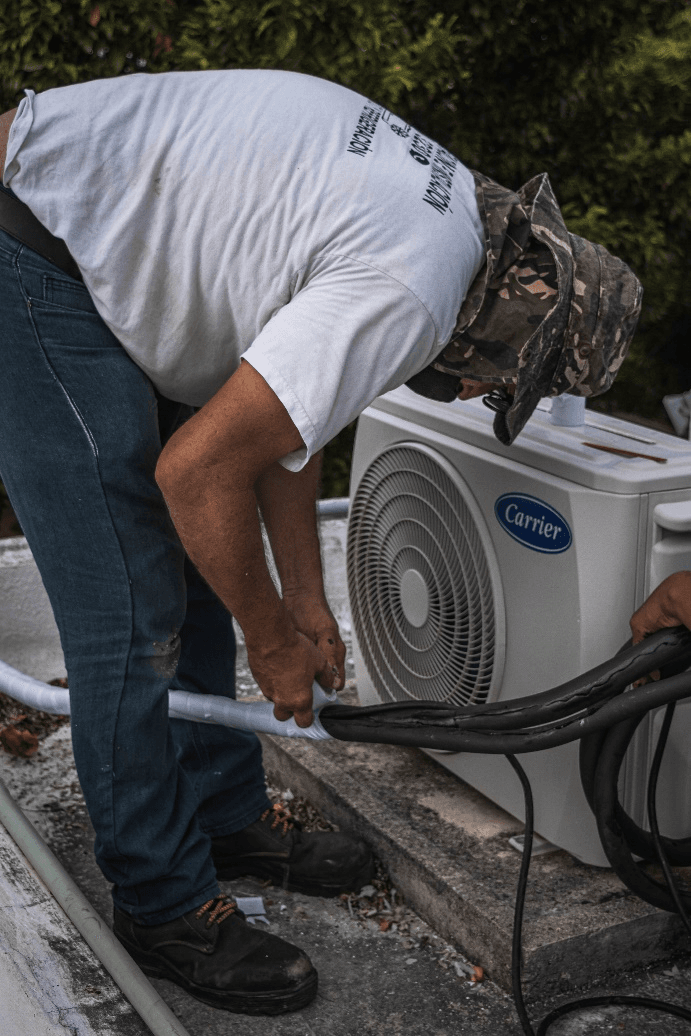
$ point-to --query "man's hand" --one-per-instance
(668, 605)
(286, 672)
(288, 504)
(473, 389)
(313, 618)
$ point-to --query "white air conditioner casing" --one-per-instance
(483, 572)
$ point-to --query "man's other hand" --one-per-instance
(313, 618)
(472, 389)
(668, 605)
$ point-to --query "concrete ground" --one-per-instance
(408, 977)
(370, 981)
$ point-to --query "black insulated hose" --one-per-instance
(592, 702)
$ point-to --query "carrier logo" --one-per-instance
(533, 523)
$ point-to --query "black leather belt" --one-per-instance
(19, 221)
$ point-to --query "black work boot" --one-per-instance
(320, 863)
(220, 959)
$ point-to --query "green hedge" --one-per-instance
(595, 94)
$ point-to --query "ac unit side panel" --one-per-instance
(562, 814)
(674, 783)
(665, 550)
(668, 544)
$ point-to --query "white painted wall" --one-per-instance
(29, 638)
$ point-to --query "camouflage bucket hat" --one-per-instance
(549, 312)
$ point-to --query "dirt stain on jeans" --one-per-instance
(166, 655)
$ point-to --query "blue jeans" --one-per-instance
(81, 428)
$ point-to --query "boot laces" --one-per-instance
(281, 817)
(219, 908)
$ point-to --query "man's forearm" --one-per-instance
(221, 533)
(288, 504)
(207, 472)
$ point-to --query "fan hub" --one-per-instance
(414, 597)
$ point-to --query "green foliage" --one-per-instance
(364, 44)
(47, 43)
(336, 465)
(598, 95)
(633, 192)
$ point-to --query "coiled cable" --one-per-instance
(603, 710)
(582, 1003)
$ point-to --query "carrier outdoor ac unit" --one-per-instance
(479, 572)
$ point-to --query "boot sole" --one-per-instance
(276, 874)
(267, 1002)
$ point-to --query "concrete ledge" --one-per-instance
(447, 850)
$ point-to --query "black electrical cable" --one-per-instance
(601, 757)
(521, 888)
(595, 710)
(583, 1003)
(652, 816)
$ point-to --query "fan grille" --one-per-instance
(420, 585)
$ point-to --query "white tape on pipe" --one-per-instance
(201, 708)
(32, 692)
(251, 715)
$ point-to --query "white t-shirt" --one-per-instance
(263, 214)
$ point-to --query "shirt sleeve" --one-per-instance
(348, 335)
(21, 124)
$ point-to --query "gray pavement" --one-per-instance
(370, 981)
(447, 849)
(410, 978)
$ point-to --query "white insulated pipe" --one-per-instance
(335, 507)
(250, 715)
(201, 708)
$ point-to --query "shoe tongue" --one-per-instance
(200, 929)
(281, 821)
